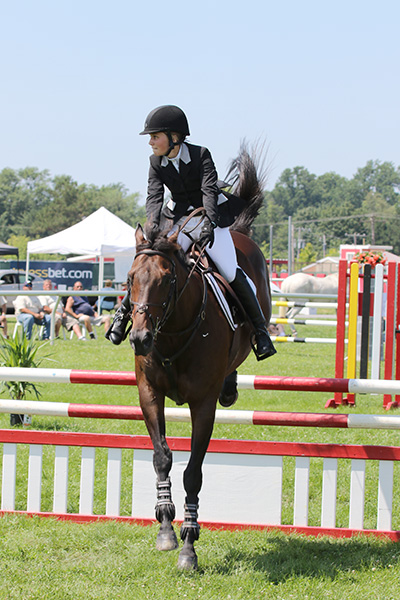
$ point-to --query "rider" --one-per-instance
(189, 173)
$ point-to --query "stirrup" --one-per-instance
(268, 349)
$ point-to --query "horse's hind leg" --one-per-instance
(229, 393)
(202, 426)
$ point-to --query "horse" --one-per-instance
(299, 283)
(186, 350)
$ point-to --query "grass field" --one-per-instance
(44, 559)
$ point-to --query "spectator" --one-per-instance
(107, 302)
(79, 310)
(48, 303)
(29, 310)
(3, 318)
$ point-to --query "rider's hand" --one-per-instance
(207, 234)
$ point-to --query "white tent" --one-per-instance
(101, 234)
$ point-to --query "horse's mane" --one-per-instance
(160, 241)
(247, 177)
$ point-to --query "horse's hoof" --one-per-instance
(229, 393)
(166, 541)
(187, 562)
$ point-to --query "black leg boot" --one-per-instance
(118, 328)
(263, 344)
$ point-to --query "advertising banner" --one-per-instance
(62, 274)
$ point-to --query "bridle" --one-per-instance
(168, 306)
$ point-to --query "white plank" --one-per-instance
(60, 479)
(385, 495)
(87, 481)
(236, 488)
(113, 482)
(35, 478)
(301, 491)
(357, 494)
(329, 487)
(9, 476)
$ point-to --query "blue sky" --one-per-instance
(318, 80)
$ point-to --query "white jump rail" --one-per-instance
(231, 469)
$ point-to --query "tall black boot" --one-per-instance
(263, 344)
(118, 331)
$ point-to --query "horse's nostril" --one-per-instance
(147, 340)
(142, 342)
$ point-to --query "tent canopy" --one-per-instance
(100, 234)
(5, 249)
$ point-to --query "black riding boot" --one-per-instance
(263, 344)
(118, 331)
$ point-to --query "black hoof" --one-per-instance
(166, 541)
(187, 562)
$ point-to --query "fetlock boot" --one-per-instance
(263, 345)
(118, 330)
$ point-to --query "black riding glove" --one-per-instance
(207, 234)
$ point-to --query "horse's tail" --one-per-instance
(247, 176)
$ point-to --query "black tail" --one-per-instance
(247, 176)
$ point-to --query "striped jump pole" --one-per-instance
(293, 304)
(284, 321)
(306, 340)
(182, 415)
(256, 382)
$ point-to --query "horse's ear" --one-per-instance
(139, 235)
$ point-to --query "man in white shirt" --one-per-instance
(3, 318)
(48, 303)
(29, 310)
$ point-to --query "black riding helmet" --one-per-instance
(167, 118)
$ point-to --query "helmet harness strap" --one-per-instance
(172, 144)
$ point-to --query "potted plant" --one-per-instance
(20, 352)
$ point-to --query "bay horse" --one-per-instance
(185, 349)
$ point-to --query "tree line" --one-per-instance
(326, 210)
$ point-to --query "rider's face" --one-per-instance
(159, 143)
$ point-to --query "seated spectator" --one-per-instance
(79, 310)
(3, 318)
(29, 310)
(48, 303)
(70, 323)
(107, 302)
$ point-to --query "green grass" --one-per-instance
(44, 559)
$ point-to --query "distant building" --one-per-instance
(347, 251)
(323, 266)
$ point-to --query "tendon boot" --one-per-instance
(118, 330)
(263, 347)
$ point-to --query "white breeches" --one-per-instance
(222, 253)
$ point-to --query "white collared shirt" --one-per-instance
(182, 155)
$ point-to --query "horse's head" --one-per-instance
(152, 284)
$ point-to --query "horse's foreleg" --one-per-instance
(153, 412)
(202, 426)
